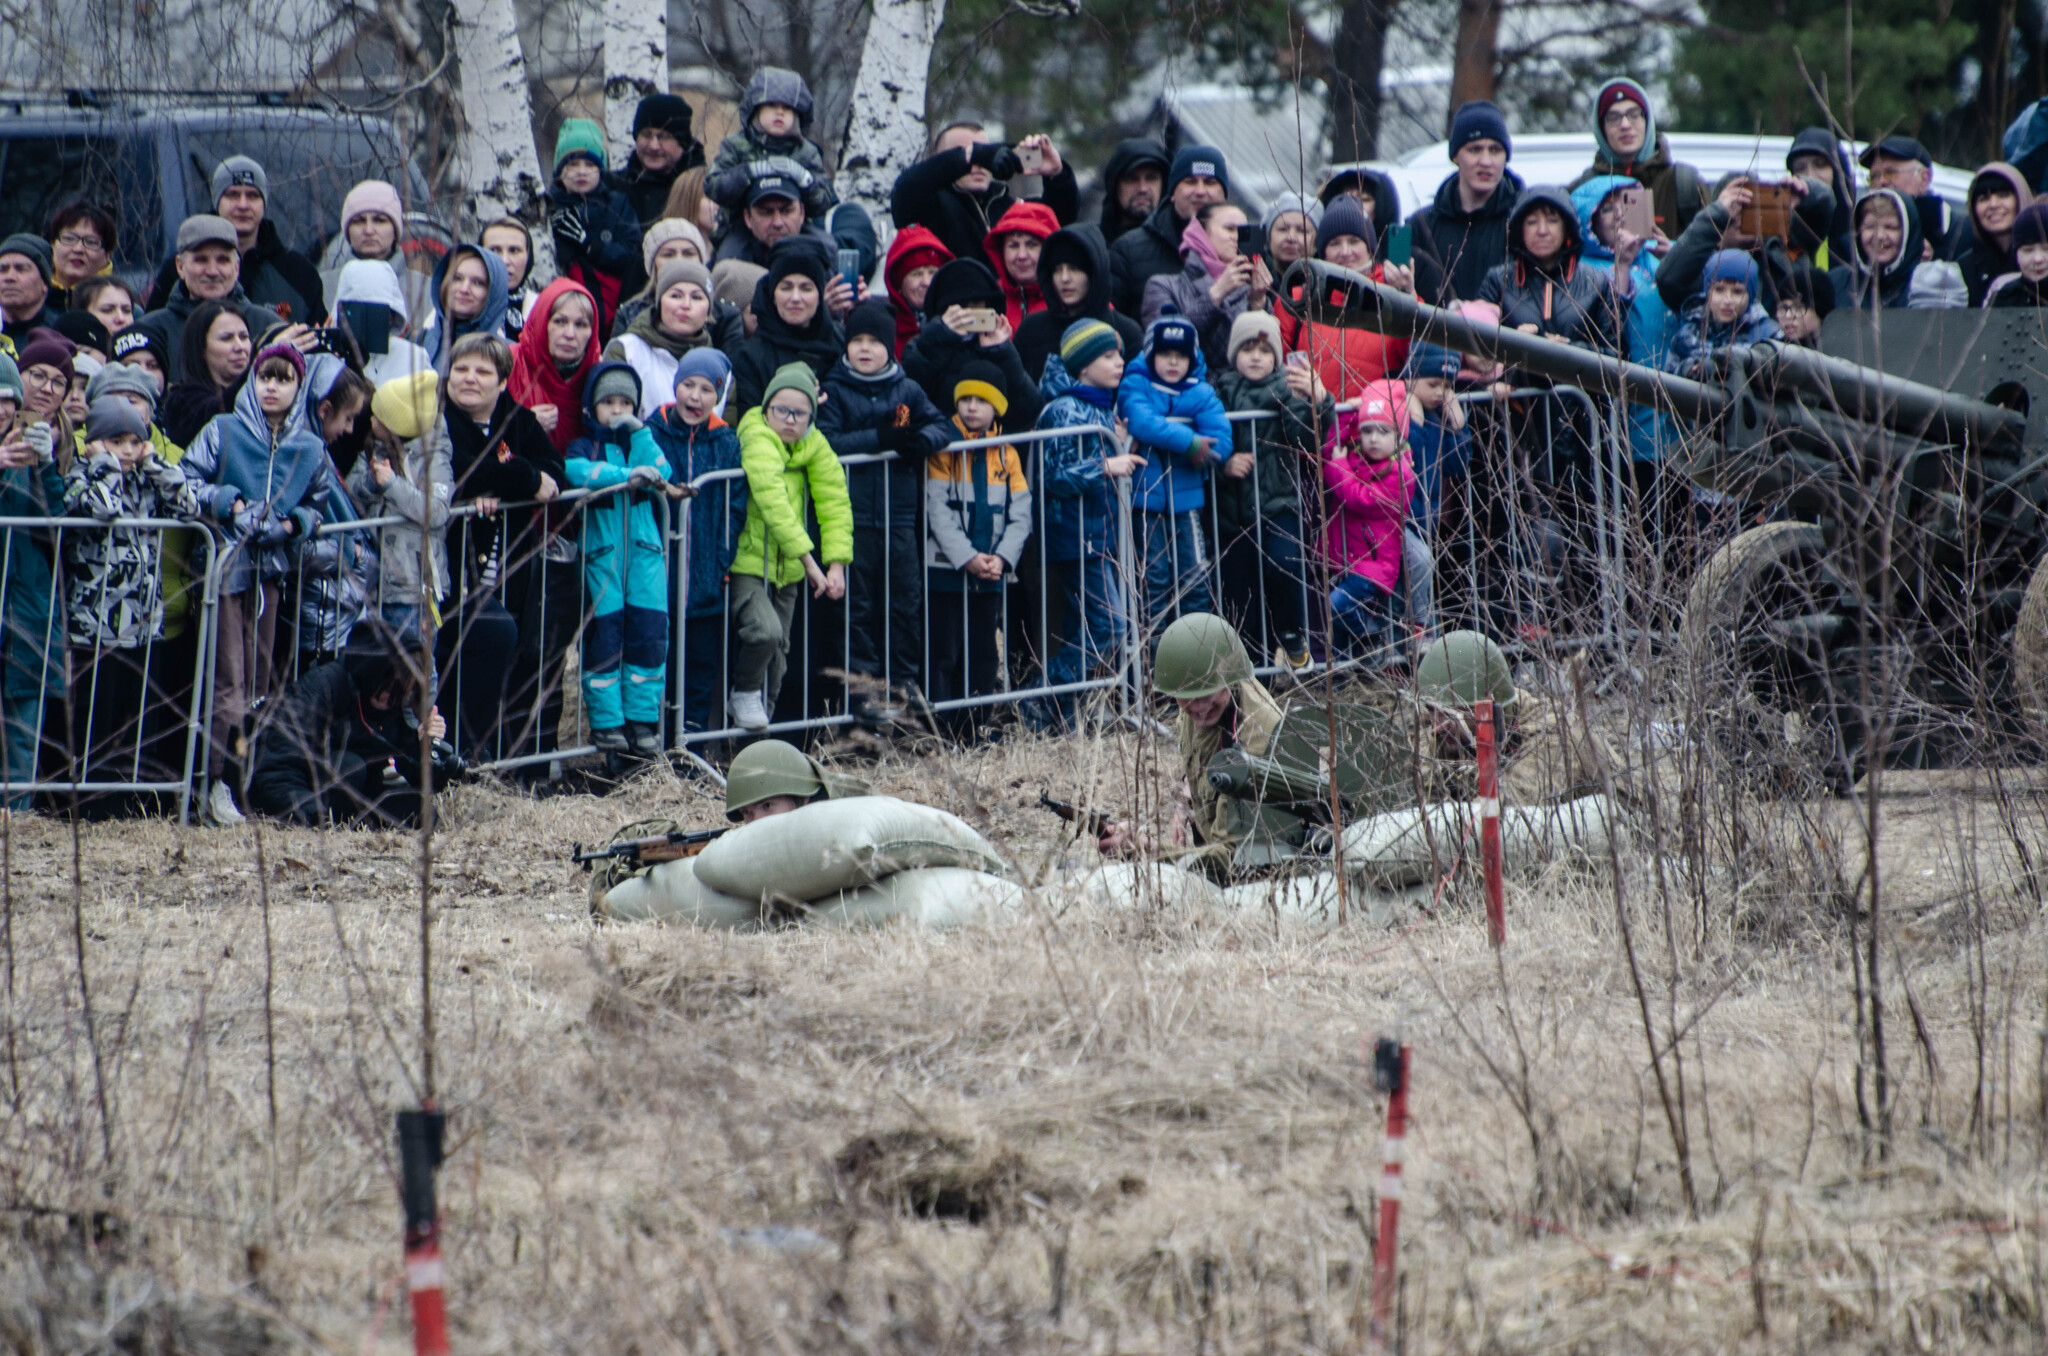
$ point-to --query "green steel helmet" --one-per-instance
(1460, 667)
(766, 769)
(1199, 656)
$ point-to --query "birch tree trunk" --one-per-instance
(635, 64)
(501, 171)
(885, 133)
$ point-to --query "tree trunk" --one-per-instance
(1475, 62)
(885, 132)
(501, 171)
(1356, 60)
(635, 64)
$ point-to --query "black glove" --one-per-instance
(1004, 164)
(568, 227)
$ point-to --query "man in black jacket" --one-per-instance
(959, 191)
(663, 147)
(1466, 227)
(337, 733)
(1198, 177)
(282, 279)
(1133, 182)
(1073, 277)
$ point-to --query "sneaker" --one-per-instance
(750, 709)
(644, 739)
(220, 806)
(612, 740)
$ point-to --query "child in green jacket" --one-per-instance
(789, 464)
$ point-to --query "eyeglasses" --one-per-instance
(78, 240)
(45, 380)
(1622, 117)
(789, 414)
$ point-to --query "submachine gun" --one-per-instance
(1901, 511)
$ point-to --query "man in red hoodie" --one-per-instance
(1013, 247)
(915, 257)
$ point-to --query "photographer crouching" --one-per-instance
(344, 744)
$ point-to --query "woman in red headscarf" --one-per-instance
(557, 348)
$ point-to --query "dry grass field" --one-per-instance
(1075, 1130)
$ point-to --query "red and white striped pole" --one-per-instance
(1489, 820)
(1389, 1060)
(420, 1135)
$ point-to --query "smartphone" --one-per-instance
(1636, 214)
(1400, 244)
(849, 269)
(1251, 240)
(1769, 214)
(369, 322)
(1297, 359)
(1031, 159)
(978, 320)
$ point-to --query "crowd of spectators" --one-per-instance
(522, 447)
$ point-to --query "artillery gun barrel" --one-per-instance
(1365, 304)
(1874, 397)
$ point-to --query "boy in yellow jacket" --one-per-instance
(789, 464)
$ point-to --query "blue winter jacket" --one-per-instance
(719, 511)
(600, 459)
(1175, 476)
(1080, 501)
(1698, 336)
(1651, 324)
(277, 476)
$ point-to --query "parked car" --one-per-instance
(153, 161)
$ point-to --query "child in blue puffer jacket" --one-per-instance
(1168, 383)
(624, 570)
(1727, 309)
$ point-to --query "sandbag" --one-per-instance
(928, 896)
(1135, 885)
(1392, 849)
(833, 845)
(670, 892)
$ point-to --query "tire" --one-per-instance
(2030, 653)
(1775, 734)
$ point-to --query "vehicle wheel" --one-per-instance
(1755, 638)
(2030, 653)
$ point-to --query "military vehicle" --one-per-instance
(1893, 600)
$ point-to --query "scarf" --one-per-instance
(535, 378)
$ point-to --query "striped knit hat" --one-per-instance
(1084, 342)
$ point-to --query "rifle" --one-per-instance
(672, 846)
(1096, 822)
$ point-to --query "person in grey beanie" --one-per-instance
(24, 286)
(272, 275)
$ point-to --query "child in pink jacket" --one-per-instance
(1371, 480)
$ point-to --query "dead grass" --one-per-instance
(1135, 1132)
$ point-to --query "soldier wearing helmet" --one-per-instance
(1544, 755)
(1201, 663)
(769, 777)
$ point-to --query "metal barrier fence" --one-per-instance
(515, 612)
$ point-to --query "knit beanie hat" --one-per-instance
(1480, 120)
(1345, 217)
(706, 362)
(10, 380)
(1250, 326)
(44, 347)
(615, 379)
(681, 271)
(979, 377)
(138, 339)
(1083, 342)
(121, 379)
(1613, 92)
(284, 351)
(372, 195)
(84, 329)
(796, 377)
(665, 230)
(964, 282)
(239, 171)
(1431, 360)
(1381, 402)
(1283, 203)
(2030, 227)
(1173, 333)
(407, 405)
(1730, 266)
(669, 113)
(111, 415)
(34, 246)
(579, 136)
(734, 281)
(874, 318)
(1191, 161)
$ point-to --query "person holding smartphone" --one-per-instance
(1219, 279)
